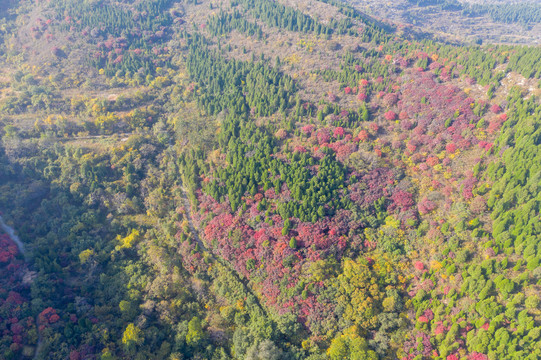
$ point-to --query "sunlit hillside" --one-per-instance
(267, 180)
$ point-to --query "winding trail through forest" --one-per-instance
(11, 233)
(195, 232)
(121, 136)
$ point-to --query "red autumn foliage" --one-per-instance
(423, 167)
(363, 135)
(371, 187)
(13, 303)
(8, 250)
(343, 150)
(445, 75)
(48, 316)
(323, 136)
(14, 298)
(467, 187)
(432, 161)
(477, 356)
(390, 115)
(495, 109)
(338, 132)
(426, 206)
(390, 99)
(241, 244)
(374, 128)
(494, 126)
(451, 148)
(446, 290)
(435, 65)
(402, 200)
(307, 129)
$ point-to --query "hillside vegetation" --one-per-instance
(254, 179)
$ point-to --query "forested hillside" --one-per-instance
(474, 21)
(260, 180)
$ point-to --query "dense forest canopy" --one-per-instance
(253, 179)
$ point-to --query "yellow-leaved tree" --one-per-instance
(130, 240)
(358, 293)
(350, 346)
(85, 255)
(132, 336)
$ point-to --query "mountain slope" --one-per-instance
(264, 180)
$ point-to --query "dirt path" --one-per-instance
(11, 233)
(121, 136)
